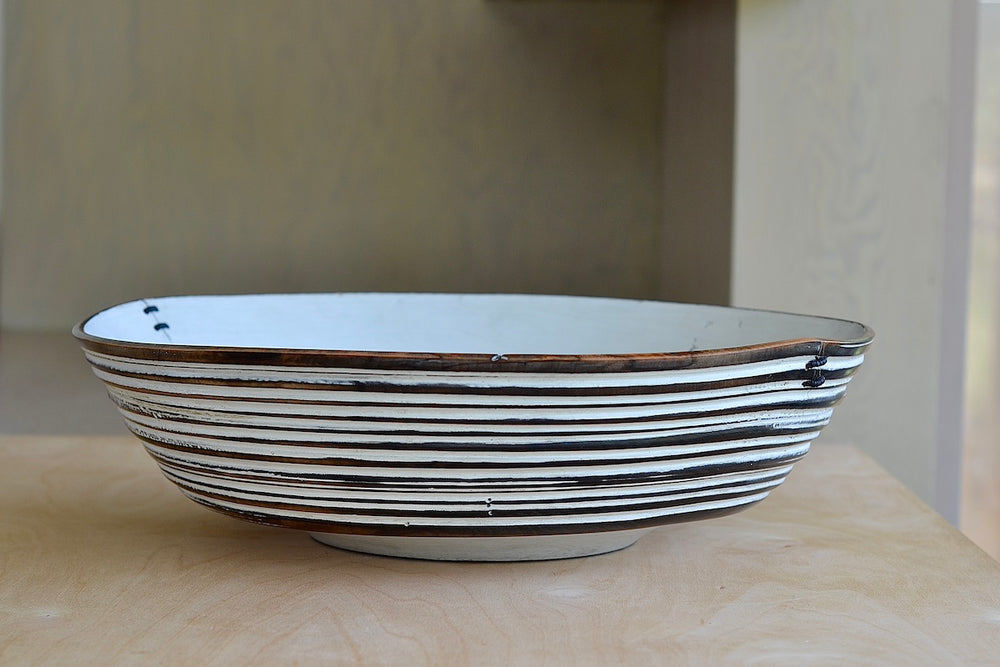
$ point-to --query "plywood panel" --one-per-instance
(843, 207)
(240, 146)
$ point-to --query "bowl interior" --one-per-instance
(455, 323)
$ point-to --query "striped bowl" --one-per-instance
(470, 427)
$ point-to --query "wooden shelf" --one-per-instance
(105, 562)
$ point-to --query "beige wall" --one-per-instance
(232, 146)
(852, 147)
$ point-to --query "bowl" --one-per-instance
(470, 426)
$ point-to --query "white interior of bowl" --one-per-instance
(456, 323)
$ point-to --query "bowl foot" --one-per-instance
(535, 547)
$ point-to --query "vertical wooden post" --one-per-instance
(698, 144)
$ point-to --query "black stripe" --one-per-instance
(473, 448)
(367, 386)
(360, 423)
(498, 513)
(472, 531)
(498, 499)
(395, 485)
(695, 408)
(474, 362)
(474, 470)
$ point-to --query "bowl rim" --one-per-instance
(477, 362)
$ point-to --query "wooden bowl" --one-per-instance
(470, 427)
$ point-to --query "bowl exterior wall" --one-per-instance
(494, 448)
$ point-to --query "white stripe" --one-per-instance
(488, 521)
(286, 488)
(815, 419)
(773, 449)
(490, 413)
(497, 506)
(176, 397)
(266, 426)
(472, 380)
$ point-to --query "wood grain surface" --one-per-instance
(103, 562)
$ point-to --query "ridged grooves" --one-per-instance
(392, 448)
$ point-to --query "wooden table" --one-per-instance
(103, 561)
